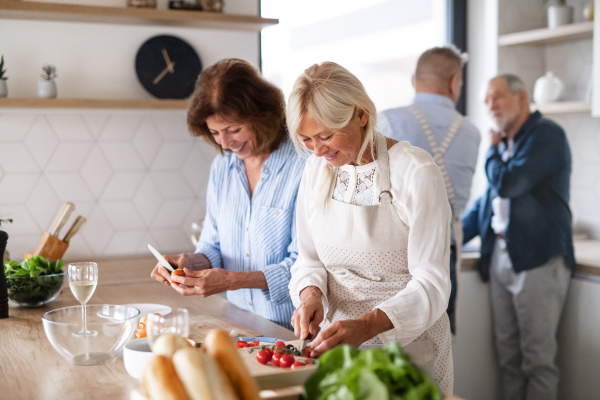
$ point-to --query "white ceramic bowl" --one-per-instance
(136, 354)
(109, 328)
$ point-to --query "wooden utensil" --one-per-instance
(61, 218)
(74, 228)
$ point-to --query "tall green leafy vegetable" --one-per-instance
(31, 283)
(346, 373)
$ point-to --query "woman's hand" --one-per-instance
(202, 283)
(351, 331)
(309, 315)
(191, 261)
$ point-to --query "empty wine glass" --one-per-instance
(177, 321)
(83, 277)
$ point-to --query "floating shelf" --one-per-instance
(581, 30)
(562, 107)
(15, 9)
(94, 103)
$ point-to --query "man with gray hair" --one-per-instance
(524, 222)
(432, 123)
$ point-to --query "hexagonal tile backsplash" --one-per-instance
(138, 178)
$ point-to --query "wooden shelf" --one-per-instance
(563, 107)
(15, 9)
(94, 103)
(581, 30)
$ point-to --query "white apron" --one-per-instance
(364, 250)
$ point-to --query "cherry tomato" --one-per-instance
(178, 272)
(307, 351)
(297, 364)
(263, 357)
(275, 359)
(254, 343)
(240, 344)
(279, 343)
(286, 361)
(269, 350)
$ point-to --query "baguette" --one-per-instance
(168, 343)
(220, 345)
(201, 376)
(160, 380)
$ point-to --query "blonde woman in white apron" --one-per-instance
(373, 226)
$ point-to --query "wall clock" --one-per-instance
(167, 67)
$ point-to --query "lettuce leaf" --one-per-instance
(346, 373)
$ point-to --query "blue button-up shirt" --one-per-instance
(258, 233)
(439, 111)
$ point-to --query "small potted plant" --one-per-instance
(559, 13)
(47, 87)
(3, 78)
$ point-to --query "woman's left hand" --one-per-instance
(349, 331)
(202, 283)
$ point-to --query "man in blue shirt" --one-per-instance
(433, 124)
(524, 222)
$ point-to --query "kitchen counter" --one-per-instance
(587, 257)
(30, 368)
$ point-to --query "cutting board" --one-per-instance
(275, 382)
(201, 324)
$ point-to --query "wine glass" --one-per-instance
(195, 231)
(177, 321)
(83, 277)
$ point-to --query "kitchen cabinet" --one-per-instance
(98, 15)
(537, 44)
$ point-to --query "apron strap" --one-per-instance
(383, 167)
(438, 156)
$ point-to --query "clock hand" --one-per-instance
(163, 73)
(168, 60)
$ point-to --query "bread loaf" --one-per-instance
(160, 380)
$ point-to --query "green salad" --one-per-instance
(28, 281)
(346, 373)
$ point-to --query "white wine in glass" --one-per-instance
(83, 278)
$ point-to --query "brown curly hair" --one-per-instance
(234, 89)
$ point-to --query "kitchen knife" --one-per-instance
(160, 258)
(74, 228)
(305, 343)
(61, 218)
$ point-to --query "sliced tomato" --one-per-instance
(240, 344)
(286, 361)
(297, 364)
(254, 343)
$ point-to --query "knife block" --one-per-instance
(51, 247)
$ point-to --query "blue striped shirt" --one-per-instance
(246, 234)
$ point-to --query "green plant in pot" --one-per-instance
(47, 87)
(3, 78)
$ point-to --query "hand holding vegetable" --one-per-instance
(351, 331)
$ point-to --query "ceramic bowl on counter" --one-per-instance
(35, 291)
(136, 354)
(107, 329)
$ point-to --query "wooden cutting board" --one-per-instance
(201, 324)
(270, 377)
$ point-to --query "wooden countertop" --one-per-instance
(30, 368)
(587, 257)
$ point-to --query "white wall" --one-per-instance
(137, 176)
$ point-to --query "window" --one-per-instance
(378, 41)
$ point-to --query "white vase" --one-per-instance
(3, 88)
(559, 15)
(547, 88)
(46, 89)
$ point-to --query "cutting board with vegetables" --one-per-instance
(201, 324)
(276, 379)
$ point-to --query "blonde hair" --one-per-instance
(331, 95)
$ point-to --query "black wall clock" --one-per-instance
(167, 67)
